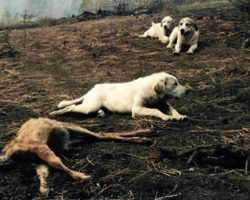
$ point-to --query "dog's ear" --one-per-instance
(160, 87)
(195, 27)
(161, 23)
(173, 21)
(173, 24)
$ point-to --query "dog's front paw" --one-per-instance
(169, 46)
(181, 117)
(190, 52)
(168, 118)
(176, 53)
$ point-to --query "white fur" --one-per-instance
(158, 29)
(130, 97)
(191, 38)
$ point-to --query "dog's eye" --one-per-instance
(175, 83)
(187, 24)
(181, 24)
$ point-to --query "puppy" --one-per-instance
(161, 30)
(186, 32)
(136, 97)
(42, 136)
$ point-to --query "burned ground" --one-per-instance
(45, 65)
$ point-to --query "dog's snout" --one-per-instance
(185, 92)
(182, 31)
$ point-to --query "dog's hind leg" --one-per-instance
(88, 106)
(64, 104)
(63, 110)
(46, 154)
(42, 173)
(147, 33)
(75, 108)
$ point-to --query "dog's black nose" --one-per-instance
(182, 31)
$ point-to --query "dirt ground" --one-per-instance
(48, 64)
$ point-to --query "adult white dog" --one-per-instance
(187, 32)
(160, 30)
(138, 97)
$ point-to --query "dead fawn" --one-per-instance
(37, 136)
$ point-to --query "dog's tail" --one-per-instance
(64, 104)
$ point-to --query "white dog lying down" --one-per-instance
(130, 97)
(186, 33)
(41, 136)
(161, 30)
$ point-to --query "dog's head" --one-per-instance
(187, 25)
(168, 86)
(167, 23)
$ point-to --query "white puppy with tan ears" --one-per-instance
(187, 32)
(160, 30)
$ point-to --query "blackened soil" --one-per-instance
(64, 61)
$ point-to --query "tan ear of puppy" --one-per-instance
(160, 87)
(161, 23)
